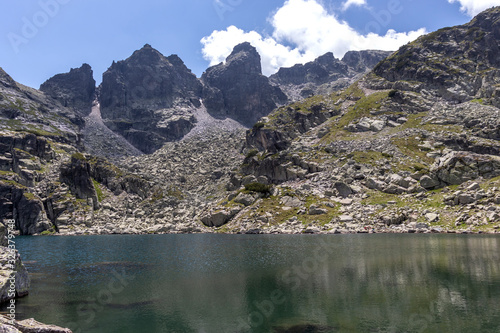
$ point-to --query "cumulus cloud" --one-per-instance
(302, 31)
(474, 7)
(350, 3)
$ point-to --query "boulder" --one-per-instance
(315, 210)
(245, 199)
(429, 183)
(218, 218)
(29, 326)
(458, 167)
(343, 189)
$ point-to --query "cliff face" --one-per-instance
(149, 98)
(75, 89)
(238, 90)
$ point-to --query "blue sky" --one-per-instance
(39, 39)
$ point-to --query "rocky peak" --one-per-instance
(319, 71)
(237, 89)
(245, 57)
(75, 89)
(362, 61)
(325, 74)
(147, 98)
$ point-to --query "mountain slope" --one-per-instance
(411, 147)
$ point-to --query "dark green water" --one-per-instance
(256, 283)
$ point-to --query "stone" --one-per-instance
(346, 202)
(29, 326)
(374, 184)
(345, 218)
(245, 199)
(248, 180)
(315, 210)
(432, 217)
(289, 201)
(465, 199)
(343, 189)
(429, 183)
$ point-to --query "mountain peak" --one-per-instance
(246, 54)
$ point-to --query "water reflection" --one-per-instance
(247, 283)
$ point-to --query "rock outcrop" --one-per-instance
(364, 61)
(12, 277)
(457, 63)
(75, 89)
(76, 174)
(28, 326)
(326, 73)
(149, 98)
(237, 89)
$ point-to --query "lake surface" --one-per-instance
(264, 283)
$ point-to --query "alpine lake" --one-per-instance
(208, 283)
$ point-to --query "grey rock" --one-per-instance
(345, 218)
(294, 202)
(315, 210)
(432, 217)
(343, 189)
(75, 89)
(245, 199)
(17, 271)
(428, 182)
(30, 326)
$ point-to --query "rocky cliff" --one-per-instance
(325, 74)
(75, 89)
(237, 89)
(149, 98)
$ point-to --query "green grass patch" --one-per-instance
(409, 147)
(78, 156)
(98, 190)
(368, 157)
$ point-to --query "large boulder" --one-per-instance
(458, 167)
(28, 326)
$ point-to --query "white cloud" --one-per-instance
(350, 3)
(302, 31)
(474, 7)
